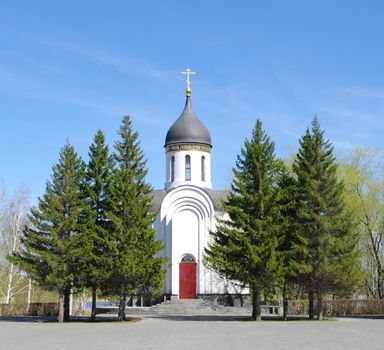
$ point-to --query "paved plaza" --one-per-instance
(194, 333)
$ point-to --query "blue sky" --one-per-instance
(68, 68)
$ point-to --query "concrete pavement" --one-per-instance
(194, 333)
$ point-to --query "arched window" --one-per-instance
(173, 168)
(187, 168)
(202, 168)
(188, 258)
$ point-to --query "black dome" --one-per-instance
(188, 128)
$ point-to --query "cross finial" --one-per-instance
(188, 72)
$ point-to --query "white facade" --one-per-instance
(186, 217)
(188, 207)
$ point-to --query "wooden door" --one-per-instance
(187, 280)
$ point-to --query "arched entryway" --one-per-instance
(187, 277)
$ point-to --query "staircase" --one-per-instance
(188, 307)
(192, 308)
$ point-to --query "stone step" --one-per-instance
(182, 303)
(189, 307)
(160, 312)
(193, 307)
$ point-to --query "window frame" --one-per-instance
(173, 168)
(203, 168)
(188, 168)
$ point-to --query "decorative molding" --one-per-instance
(188, 147)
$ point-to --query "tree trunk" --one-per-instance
(93, 311)
(256, 304)
(285, 303)
(29, 293)
(285, 309)
(311, 310)
(60, 317)
(319, 304)
(67, 300)
(376, 255)
(9, 284)
(123, 302)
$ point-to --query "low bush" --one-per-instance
(341, 307)
(33, 309)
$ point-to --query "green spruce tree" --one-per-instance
(92, 244)
(326, 258)
(288, 201)
(244, 247)
(47, 247)
(133, 246)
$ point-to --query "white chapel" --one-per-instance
(188, 208)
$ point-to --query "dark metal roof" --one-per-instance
(217, 197)
(158, 197)
(188, 128)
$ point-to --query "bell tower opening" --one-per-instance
(187, 167)
(173, 168)
(202, 168)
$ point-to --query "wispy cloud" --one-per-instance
(31, 88)
(125, 63)
(351, 114)
(48, 80)
(363, 92)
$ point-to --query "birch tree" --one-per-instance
(13, 219)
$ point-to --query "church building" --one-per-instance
(188, 208)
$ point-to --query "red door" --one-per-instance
(187, 280)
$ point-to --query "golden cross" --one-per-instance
(188, 72)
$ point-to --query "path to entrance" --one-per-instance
(152, 333)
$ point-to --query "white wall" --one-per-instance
(185, 240)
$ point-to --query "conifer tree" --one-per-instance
(92, 244)
(47, 247)
(326, 258)
(133, 246)
(288, 202)
(244, 247)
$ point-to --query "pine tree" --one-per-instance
(244, 247)
(288, 201)
(325, 249)
(47, 247)
(92, 244)
(133, 245)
